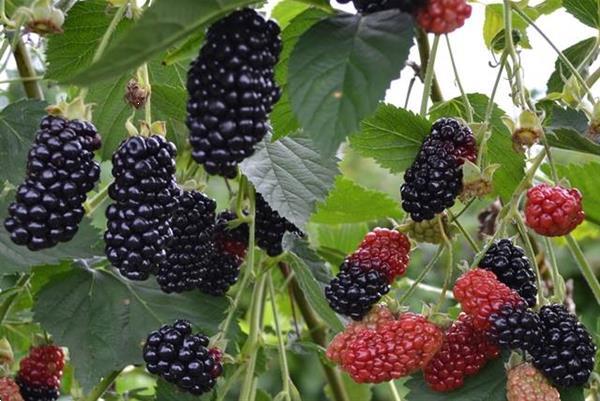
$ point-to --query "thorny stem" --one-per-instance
(532, 256)
(468, 107)
(285, 372)
(421, 276)
(429, 74)
(424, 54)
(584, 266)
(103, 386)
(32, 87)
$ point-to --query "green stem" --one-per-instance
(553, 169)
(424, 54)
(33, 89)
(103, 386)
(584, 266)
(464, 232)
(8, 302)
(92, 204)
(449, 268)
(421, 276)
(429, 74)
(593, 78)
(557, 280)
(394, 391)
(541, 300)
(146, 84)
(510, 48)
(465, 98)
(224, 388)
(285, 372)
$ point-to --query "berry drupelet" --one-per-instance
(145, 195)
(9, 390)
(443, 16)
(271, 227)
(232, 89)
(190, 250)
(516, 328)
(509, 263)
(567, 351)
(526, 383)
(183, 358)
(434, 180)
(220, 272)
(60, 172)
(553, 211)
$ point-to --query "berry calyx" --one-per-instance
(9, 390)
(465, 351)
(526, 383)
(553, 211)
(481, 294)
(384, 250)
(443, 16)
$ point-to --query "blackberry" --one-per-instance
(37, 393)
(233, 241)
(354, 291)
(219, 273)
(145, 195)
(188, 252)
(371, 6)
(567, 351)
(271, 227)
(183, 358)
(516, 328)
(434, 180)
(509, 263)
(60, 172)
(232, 89)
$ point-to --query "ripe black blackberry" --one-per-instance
(231, 240)
(509, 263)
(60, 172)
(220, 272)
(516, 328)
(567, 351)
(183, 358)
(37, 393)
(232, 89)
(371, 6)
(188, 252)
(354, 291)
(434, 180)
(145, 195)
(271, 227)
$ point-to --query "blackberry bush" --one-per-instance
(232, 89)
(60, 172)
(144, 195)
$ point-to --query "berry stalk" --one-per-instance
(33, 89)
(421, 276)
(429, 75)
(541, 300)
(584, 266)
(103, 386)
(424, 54)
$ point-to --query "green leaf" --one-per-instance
(356, 391)
(84, 28)
(163, 25)
(186, 51)
(15, 258)
(344, 238)
(548, 6)
(291, 175)
(365, 205)
(166, 391)
(169, 104)
(285, 11)
(500, 151)
(569, 139)
(341, 68)
(113, 317)
(494, 24)
(586, 178)
(586, 11)
(572, 394)
(558, 117)
(19, 123)
(488, 385)
(392, 136)
(576, 54)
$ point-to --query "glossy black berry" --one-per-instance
(232, 89)
(354, 291)
(371, 6)
(220, 272)
(60, 172)
(271, 227)
(512, 267)
(37, 393)
(567, 352)
(190, 249)
(516, 328)
(183, 358)
(434, 180)
(144, 195)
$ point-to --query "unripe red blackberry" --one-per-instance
(233, 241)
(183, 358)
(232, 89)
(190, 249)
(434, 180)
(553, 211)
(60, 172)
(145, 195)
(9, 390)
(271, 227)
(40, 373)
(372, 6)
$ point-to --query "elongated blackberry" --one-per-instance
(271, 227)
(232, 89)
(190, 249)
(567, 351)
(434, 180)
(516, 328)
(36, 392)
(371, 6)
(60, 172)
(354, 291)
(231, 240)
(145, 195)
(220, 272)
(509, 263)
(183, 358)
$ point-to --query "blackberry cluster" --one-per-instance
(372, 6)
(566, 352)
(233, 241)
(145, 195)
(60, 172)
(37, 393)
(516, 328)
(220, 272)
(232, 89)
(509, 263)
(271, 227)
(434, 180)
(354, 291)
(183, 358)
(189, 251)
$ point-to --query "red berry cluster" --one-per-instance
(443, 16)
(553, 211)
(9, 390)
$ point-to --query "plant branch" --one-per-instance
(103, 386)
(557, 280)
(584, 266)
(464, 232)
(465, 98)
(429, 75)
(424, 54)
(416, 283)
(32, 87)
